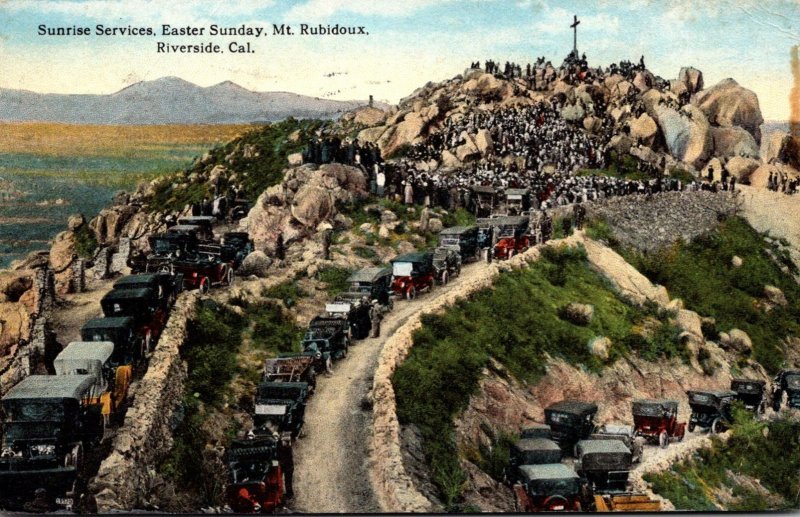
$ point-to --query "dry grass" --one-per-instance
(45, 138)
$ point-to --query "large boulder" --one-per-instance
(715, 167)
(760, 177)
(371, 134)
(62, 252)
(599, 347)
(449, 160)
(578, 313)
(644, 129)
(687, 134)
(409, 131)
(728, 104)
(109, 223)
(312, 205)
(733, 141)
(741, 168)
(621, 144)
(781, 147)
(484, 85)
(484, 143)
(691, 78)
(644, 80)
(256, 263)
(370, 116)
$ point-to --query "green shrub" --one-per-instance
(335, 279)
(288, 292)
(85, 242)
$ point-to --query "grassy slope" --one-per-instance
(517, 322)
(701, 274)
(693, 484)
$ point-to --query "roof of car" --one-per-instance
(601, 446)
(141, 279)
(130, 294)
(51, 387)
(87, 350)
(369, 274)
(107, 323)
(672, 404)
(417, 256)
(616, 429)
(573, 406)
(184, 228)
(456, 230)
(537, 444)
(715, 393)
(547, 471)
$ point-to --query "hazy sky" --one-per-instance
(409, 43)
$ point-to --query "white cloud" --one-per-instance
(557, 20)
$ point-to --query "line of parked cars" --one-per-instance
(50, 422)
(603, 456)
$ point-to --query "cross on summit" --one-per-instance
(574, 27)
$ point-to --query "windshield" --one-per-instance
(548, 487)
(606, 461)
(163, 246)
(31, 431)
(558, 417)
(449, 241)
(702, 399)
(34, 410)
(402, 268)
(793, 382)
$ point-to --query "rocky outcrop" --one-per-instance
(687, 134)
(733, 141)
(741, 168)
(691, 78)
(644, 129)
(727, 104)
(307, 197)
(781, 147)
(108, 224)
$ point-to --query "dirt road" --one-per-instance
(331, 473)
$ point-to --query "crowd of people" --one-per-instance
(781, 183)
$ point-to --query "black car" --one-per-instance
(374, 283)
(751, 393)
(282, 405)
(50, 421)
(129, 346)
(711, 409)
(463, 239)
(531, 451)
(786, 382)
(604, 463)
(165, 285)
(570, 421)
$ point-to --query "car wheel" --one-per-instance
(204, 285)
(411, 293)
(444, 278)
(391, 304)
(716, 426)
(229, 277)
(148, 342)
(663, 439)
(682, 435)
(510, 254)
(691, 428)
(458, 271)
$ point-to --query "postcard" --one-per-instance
(348, 256)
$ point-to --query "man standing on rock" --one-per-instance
(375, 317)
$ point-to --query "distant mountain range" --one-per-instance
(169, 100)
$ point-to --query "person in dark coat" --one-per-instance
(280, 248)
(286, 461)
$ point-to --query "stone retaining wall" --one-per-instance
(391, 483)
(123, 479)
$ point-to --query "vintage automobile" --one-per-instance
(239, 244)
(485, 200)
(203, 223)
(511, 236)
(517, 201)
(657, 421)
(413, 273)
(447, 263)
(50, 420)
(536, 431)
(355, 313)
(129, 346)
(623, 433)
(96, 358)
(530, 451)
(163, 248)
(752, 393)
(606, 464)
(787, 383)
(373, 282)
(328, 337)
(144, 306)
(203, 272)
(293, 368)
(711, 409)
(553, 487)
(570, 421)
(463, 239)
(281, 405)
(255, 479)
(166, 286)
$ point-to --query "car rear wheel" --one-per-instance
(204, 285)
(229, 276)
(716, 426)
(663, 439)
(411, 293)
(691, 428)
(444, 278)
(554, 503)
(510, 254)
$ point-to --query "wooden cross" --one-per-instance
(574, 27)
